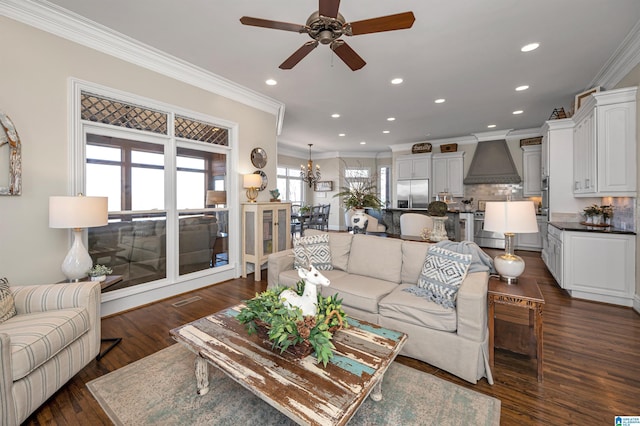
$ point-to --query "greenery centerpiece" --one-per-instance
(286, 327)
(360, 193)
(438, 212)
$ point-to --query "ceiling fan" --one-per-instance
(326, 26)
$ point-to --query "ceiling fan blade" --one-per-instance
(298, 55)
(329, 8)
(266, 23)
(348, 55)
(400, 21)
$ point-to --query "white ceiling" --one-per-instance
(466, 51)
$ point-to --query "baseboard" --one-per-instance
(636, 303)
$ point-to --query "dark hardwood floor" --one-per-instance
(591, 358)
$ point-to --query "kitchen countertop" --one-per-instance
(576, 226)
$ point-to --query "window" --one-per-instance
(290, 185)
(167, 196)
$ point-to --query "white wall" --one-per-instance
(633, 79)
(36, 67)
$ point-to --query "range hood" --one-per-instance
(492, 163)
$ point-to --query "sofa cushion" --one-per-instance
(376, 257)
(37, 337)
(412, 309)
(314, 249)
(442, 275)
(339, 245)
(359, 291)
(7, 306)
(413, 255)
(290, 277)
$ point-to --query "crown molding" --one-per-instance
(623, 60)
(60, 22)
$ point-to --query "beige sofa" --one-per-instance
(370, 274)
(55, 333)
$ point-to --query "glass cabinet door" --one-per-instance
(267, 232)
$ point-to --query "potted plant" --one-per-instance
(358, 194)
(438, 212)
(607, 214)
(288, 330)
(593, 214)
(99, 272)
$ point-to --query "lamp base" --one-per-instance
(77, 262)
(252, 194)
(509, 266)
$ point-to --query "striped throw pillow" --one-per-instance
(7, 307)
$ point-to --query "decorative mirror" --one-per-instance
(259, 157)
(265, 181)
(10, 158)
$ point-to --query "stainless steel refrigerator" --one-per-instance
(413, 194)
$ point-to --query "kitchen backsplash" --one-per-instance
(624, 212)
(492, 192)
(624, 208)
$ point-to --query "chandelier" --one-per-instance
(307, 174)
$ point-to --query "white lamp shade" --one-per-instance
(517, 217)
(216, 197)
(252, 181)
(77, 212)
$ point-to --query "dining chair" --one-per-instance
(412, 224)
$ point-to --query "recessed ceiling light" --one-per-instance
(529, 47)
(271, 82)
(335, 115)
(342, 135)
(521, 88)
(517, 112)
(391, 119)
(385, 132)
(439, 101)
(363, 143)
(491, 126)
(397, 81)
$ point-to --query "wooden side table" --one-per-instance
(524, 294)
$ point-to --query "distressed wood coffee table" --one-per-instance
(304, 391)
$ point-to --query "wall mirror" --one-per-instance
(10, 158)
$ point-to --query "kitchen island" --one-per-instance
(391, 218)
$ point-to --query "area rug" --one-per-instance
(160, 390)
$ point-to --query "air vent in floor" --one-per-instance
(186, 301)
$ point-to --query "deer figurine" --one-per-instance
(309, 299)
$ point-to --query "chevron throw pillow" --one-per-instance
(7, 307)
(314, 248)
(442, 274)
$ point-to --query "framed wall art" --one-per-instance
(323, 186)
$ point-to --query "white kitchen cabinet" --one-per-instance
(417, 166)
(533, 241)
(599, 266)
(604, 138)
(266, 230)
(553, 255)
(532, 170)
(557, 165)
(448, 173)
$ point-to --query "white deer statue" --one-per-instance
(309, 299)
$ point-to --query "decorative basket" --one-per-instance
(449, 147)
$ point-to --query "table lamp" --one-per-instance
(252, 182)
(510, 217)
(77, 213)
(215, 198)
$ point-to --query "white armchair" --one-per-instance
(412, 224)
(55, 333)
